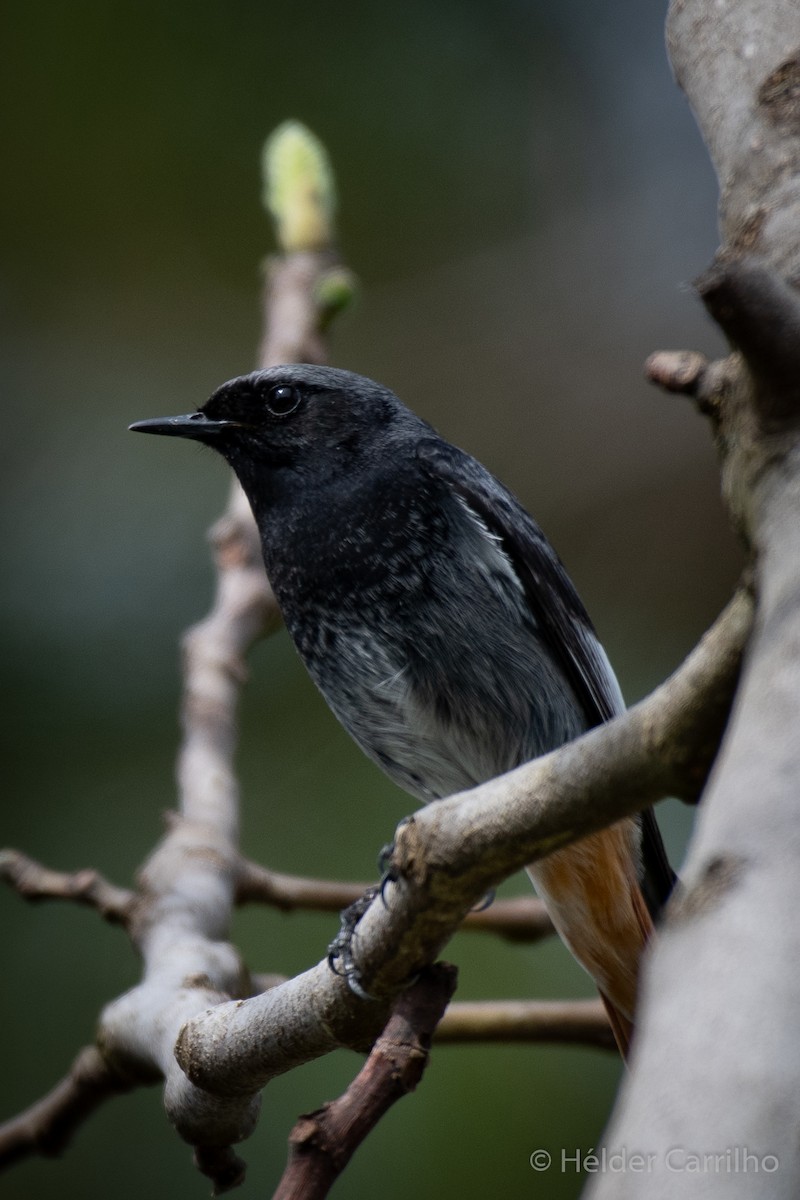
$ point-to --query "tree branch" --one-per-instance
(180, 920)
(521, 919)
(260, 885)
(573, 1021)
(449, 854)
(717, 1057)
(33, 881)
(446, 858)
(739, 65)
(49, 1124)
(760, 314)
(323, 1142)
(190, 881)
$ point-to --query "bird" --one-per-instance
(437, 621)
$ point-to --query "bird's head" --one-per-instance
(303, 418)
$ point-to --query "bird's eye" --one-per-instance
(283, 399)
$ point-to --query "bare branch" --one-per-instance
(573, 1021)
(190, 881)
(222, 1166)
(33, 881)
(257, 884)
(180, 919)
(740, 68)
(522, 919)
(677, 370)
(323, 1142)
(718, 1051)
(760, 314)
(50, 1124)
(451, 853)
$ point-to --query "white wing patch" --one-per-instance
(595, 652)
(489, 548)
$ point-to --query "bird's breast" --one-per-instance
(416, 629)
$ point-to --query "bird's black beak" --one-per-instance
(193, 425)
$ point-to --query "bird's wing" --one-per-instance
(558, 611)
(560, 616)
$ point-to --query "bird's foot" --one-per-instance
(340, 951)
(388, 872)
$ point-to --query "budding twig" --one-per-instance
(180, 916)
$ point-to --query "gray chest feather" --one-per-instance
(438, 670)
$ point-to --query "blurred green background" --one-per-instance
(523, 196)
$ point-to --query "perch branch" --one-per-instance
(446, 857)
(451, 853)
(577, 1022)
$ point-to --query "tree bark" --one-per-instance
(713, 1100)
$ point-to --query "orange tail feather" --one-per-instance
(592, 892)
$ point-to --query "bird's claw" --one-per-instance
(385, 859)
(388, 872)
(485, 902)
(340, 951)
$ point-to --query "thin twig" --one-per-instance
(260, 885)
(679, 371)
(323, 1142)
(33, 881)
(574, 1021)
(49, 1125)
(180, 919)
(521, 919)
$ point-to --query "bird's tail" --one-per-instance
(595, 900)
(621, 1027)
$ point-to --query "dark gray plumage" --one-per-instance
(426, 603)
